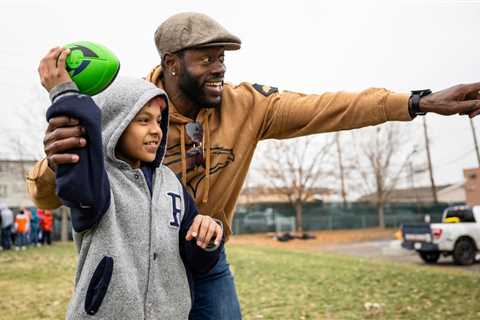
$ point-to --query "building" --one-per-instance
(12, 182)
(454, 193)
(472, 186)
(264, 194)
(450, 193)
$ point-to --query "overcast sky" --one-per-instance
(304, 46)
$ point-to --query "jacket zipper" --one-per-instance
(145, 303)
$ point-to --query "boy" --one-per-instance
(130, 213)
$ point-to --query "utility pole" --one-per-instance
(475, 141)
(412, 182)
(430, 169)
(64, 211)
(340, 163)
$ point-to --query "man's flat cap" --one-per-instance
(192, 30)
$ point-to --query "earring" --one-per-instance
(173, 73)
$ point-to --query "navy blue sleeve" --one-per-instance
(196, 260)
(84, 185)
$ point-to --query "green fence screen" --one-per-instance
(271, 217)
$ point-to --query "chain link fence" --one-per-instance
(275, 217)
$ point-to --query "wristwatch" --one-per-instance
(414, 102)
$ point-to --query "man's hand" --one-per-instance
(204, 228)
(62, 134)
(52, 69)
(461, 99)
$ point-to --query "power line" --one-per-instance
(456, 159)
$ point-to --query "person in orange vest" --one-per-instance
(22, 227)
(46, 225)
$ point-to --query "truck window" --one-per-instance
(465, 215)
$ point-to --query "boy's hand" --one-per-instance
(204, 228)
(52, 69)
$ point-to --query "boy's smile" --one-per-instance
(141, 139)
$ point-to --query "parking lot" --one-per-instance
(391, 250)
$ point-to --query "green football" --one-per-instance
(91, 66)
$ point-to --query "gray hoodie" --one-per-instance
(129, 231)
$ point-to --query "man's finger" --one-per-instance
(472, 95)
(474, 113)
(64, 145)
(473, 87)
(468, 106)
(63, 158)
(61, 121)
(64, 133)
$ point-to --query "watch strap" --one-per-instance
(414, 102)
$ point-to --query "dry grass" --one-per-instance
(36, 283)
(323, 238)
(272, 283)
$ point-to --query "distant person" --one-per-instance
(40, 213)
(22, 228)
(215, 128)
(46, 225)
(7, 224)
(133, 221)
(34, 228)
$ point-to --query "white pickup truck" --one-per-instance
(458, 235)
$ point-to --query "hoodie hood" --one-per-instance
(120, 103)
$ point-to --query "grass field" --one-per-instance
(272, 283)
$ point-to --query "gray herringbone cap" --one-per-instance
(192, 30)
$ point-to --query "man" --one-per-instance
(215, 127)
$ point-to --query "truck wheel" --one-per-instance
(429, 257)
(464, 252)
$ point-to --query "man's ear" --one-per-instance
(171, 63)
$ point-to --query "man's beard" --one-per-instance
(193, 90)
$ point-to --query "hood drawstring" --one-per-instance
(184, 155)
(154, 76)
(207, 153)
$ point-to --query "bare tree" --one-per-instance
(382, 156)
(295, 168)
(24, 140)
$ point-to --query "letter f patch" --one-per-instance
(176, 212)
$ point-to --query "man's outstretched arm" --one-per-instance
(288, 115)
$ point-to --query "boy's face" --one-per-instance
(141, 140)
